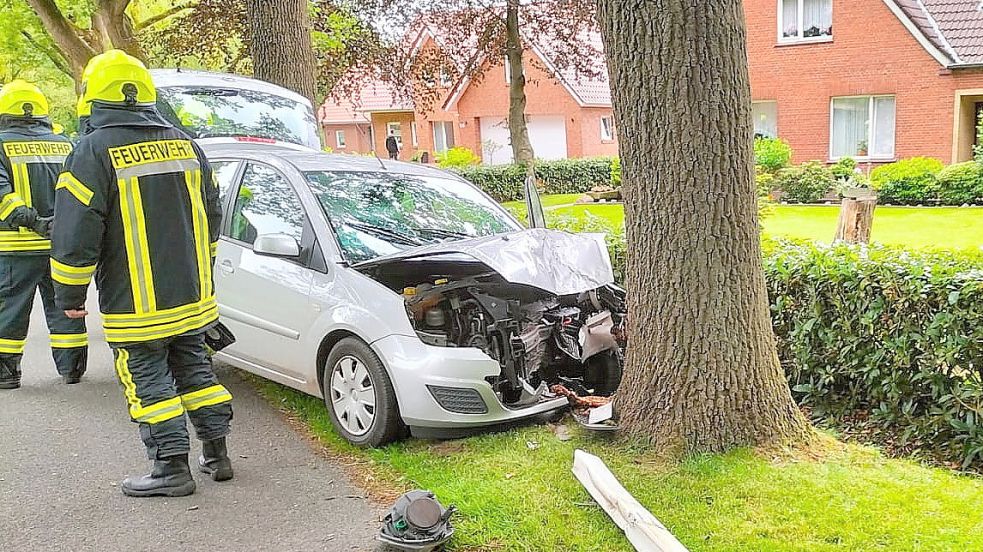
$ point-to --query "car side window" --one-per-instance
(224, 173)
(266, 204)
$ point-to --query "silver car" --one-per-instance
(404, 296)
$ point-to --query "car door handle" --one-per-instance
(226, 266)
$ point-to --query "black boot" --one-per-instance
(9, 371)
(75, 374)
(169, 477)
(215, 459)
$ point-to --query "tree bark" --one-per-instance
(522, 151)
(856, 220)
(281, 44)
(67, 36)
(113, 24)
(702, 372)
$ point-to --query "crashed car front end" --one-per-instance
(498, 321)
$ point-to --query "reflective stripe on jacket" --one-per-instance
(139, 211)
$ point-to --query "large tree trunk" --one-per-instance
(518, 132)
(281, 44)
(702, 373)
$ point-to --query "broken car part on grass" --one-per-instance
(417, 522)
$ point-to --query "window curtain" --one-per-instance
(883, 139)
(765, 116)
(790, 18)
(817, 18)
(849, 126)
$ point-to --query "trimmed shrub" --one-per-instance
(884, 334)
(772, 153)
(458, 157)
(616, 172)
(805, 183)
(844, 169)
(961, 183)
(564, 176)
(907, 182)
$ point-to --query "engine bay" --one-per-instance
(539, 339)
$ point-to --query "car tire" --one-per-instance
(350, 356)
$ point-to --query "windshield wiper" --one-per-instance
(383, 232)
(445, 233)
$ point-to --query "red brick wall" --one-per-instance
(872, 52)
(357, 138)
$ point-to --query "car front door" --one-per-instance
(264, 300)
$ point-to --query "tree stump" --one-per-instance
(856, 216)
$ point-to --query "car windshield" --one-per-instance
(376, 214)
(209, 112)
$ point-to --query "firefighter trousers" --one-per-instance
(21, 277)
(164, 379)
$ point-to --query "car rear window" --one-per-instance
(211, 112)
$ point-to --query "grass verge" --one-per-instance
(516, 492)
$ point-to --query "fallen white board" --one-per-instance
(644, 531)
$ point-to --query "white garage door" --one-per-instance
(548, 135)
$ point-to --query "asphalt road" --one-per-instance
(64, 449)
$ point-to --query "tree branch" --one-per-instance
(54, 56)
(172, 11)
(67, 35)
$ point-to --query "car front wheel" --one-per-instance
(359, 395)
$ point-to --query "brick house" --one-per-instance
(568, 115)
(892, 78)
(876, 80)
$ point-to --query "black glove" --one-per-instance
(42, 226)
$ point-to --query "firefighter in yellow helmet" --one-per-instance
(31, 156)
(138, 209)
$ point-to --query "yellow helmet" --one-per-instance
(57, 128)
(21, 98)
(116, 77)
(84, 106)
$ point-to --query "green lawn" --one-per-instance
(937, 227)
(515, 492)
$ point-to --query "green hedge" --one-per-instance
(961, 183)
(869, 332)
(892, 335)
(805, 183)
(563, 176)
(908, 182)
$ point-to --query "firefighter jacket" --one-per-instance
(31, 156)
(137, 208)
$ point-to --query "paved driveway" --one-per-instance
(64, 449)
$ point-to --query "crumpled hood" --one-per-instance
(557, 262)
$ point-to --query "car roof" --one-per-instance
(164, 78)
(310, 160)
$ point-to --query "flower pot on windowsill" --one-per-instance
(862, 153)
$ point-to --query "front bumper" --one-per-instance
(416, 369)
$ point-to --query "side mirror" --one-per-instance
(276, 245)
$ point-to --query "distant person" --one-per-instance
(392, 146)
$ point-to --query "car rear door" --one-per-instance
(265, 300)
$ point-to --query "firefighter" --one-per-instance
(31, 156)
(138, 210)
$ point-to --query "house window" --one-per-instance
(416, 142)
(395, 129)
(508, 71)
(862, 127)
(443, 136)
(803, 20)
(607, 128)
(765, 116)
(339, 138)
